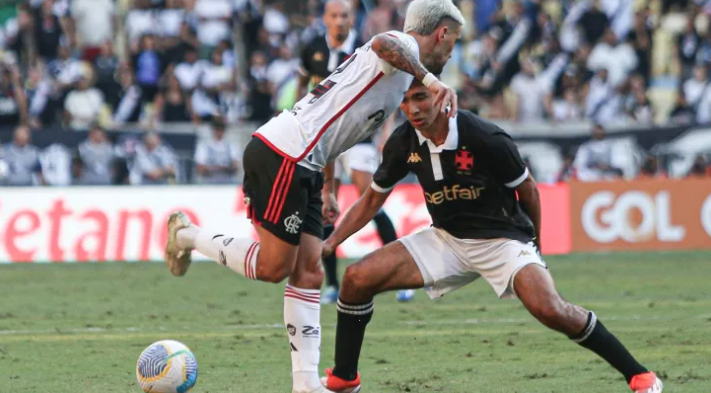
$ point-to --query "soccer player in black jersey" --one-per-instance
(318, 60)
(471, 173)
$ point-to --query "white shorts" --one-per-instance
(363, 157)
(448, 263)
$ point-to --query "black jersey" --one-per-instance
(468, 181)
(316, 55)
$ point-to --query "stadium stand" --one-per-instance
(548, 71)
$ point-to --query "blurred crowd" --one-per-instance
(93, 64)
(129, 159)
(79, 62)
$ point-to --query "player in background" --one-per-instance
(288, 171)
(318, 60)
(471, 173)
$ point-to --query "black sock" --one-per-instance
(386, 230)
(352, 320)
(598, 339)
(330, 263)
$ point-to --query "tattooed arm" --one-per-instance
(394, 52)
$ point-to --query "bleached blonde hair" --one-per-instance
(424, 16)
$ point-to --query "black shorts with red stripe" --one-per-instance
(283, 197)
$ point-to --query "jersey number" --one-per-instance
(325, 86)
(378, 119)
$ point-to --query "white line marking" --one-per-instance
(275, 326)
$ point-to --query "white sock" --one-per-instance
(239, 254)
(302, 314)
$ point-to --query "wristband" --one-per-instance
(429, 79)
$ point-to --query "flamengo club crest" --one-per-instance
(464, 160)
(292, 223)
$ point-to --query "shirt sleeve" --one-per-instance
(508, 167)
(409, 42)
(393, 168)
(201, 154)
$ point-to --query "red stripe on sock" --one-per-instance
(286, 191)
(275, 188)
(301, 298)
(310, 296)
(247, 261)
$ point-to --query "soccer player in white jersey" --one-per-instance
(287, 195)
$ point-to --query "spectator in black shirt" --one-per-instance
(641, 39)
(173, 105)
(682, 114)
(321, 56)
(48, 32)
(594, 22)
(687, 45)
(260, 97)
(485, 210)
(106, 64)
(13, 102)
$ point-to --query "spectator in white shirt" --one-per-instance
(694, 87)
(56, 164)
(97, 158)
(214, 25)
(530, 92)
(140, 21)
(282, 68)
(217, 81)
(216, 159)
(83, 105)
(593, 160)
(22, 160)
(603, 104)
(569, 107)
(155, 163)
(618, 58)
(189, 70)
(170, 19)
(94, 21)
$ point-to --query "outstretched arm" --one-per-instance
(357, 216)
(393, 51)
(530, 201)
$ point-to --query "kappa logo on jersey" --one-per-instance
(291, 329)
(292, 223)
(524, 253)
(464, 160)
(414, 158)
(310, 331)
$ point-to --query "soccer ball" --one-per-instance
(167, 367)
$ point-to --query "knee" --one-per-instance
(356, 279)
(307, 275)
(273, 271)
(272, 274)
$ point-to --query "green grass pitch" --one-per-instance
(81, 327)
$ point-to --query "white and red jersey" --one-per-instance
(346, 108)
